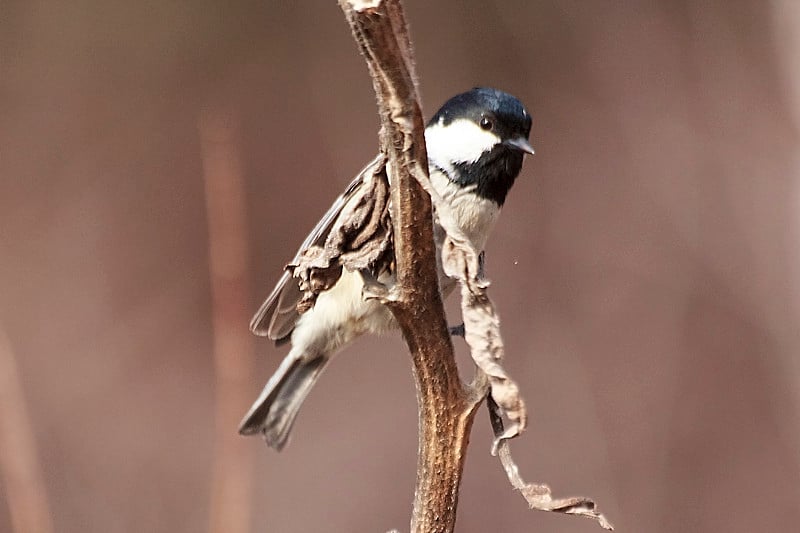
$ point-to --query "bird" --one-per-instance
(476, 143)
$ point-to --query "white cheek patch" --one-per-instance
(461, 141)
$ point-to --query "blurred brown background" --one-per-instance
(646, 264)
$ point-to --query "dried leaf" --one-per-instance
(539, 496)
(360, 240)
(482, 333)
(481, 323)
(364, 240)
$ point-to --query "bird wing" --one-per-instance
(277, 316)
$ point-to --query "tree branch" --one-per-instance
(446, 407)
(446, 410)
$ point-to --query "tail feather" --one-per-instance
(276, 408)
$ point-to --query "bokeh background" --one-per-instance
(645, 267)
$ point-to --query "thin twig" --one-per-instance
(228, 252)
(19, 465)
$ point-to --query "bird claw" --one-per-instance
(457, 331)
(376, 290)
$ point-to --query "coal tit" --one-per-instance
(476, 143)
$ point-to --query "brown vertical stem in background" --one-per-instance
(233, 358)
(19, 466)
(446, 410)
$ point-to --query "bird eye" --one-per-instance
(486, 123)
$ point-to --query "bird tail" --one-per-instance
(274, 411)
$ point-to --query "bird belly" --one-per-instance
(475, 216)
(339, 315)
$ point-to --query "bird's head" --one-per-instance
(480, 138)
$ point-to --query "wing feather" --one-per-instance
(277, 316)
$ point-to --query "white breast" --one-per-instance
(475, 216)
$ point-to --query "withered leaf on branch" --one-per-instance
(539, 496)
(359, 237)
(482, 333)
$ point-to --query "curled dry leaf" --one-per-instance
(482, 333)
(359, 240)
(539, 496)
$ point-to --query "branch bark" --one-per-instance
(446, 408)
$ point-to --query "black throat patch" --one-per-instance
(493, 173)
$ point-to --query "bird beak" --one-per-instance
(519, 143)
